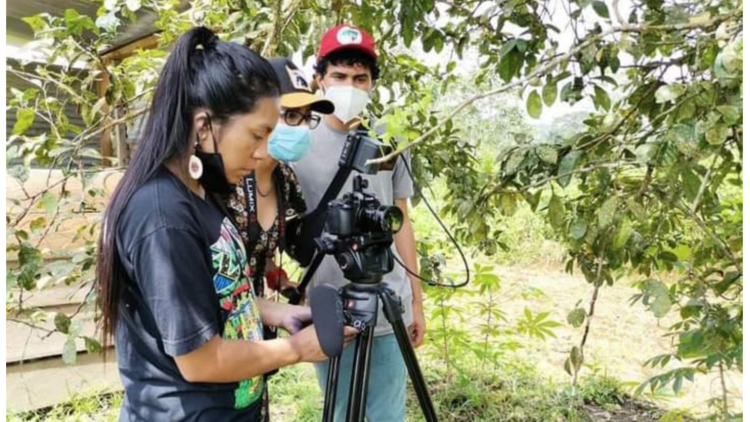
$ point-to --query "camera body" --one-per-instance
(350, 212)
(361, 213)
(359, 234)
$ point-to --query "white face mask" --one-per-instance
(348, 100)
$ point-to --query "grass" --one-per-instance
(90, 406)
(515, 392)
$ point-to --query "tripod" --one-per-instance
(361, 303)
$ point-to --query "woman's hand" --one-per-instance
(297, 318)
(307, 346)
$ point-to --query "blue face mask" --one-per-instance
(289, 143)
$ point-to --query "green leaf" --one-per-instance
(576, 317)
(567, 165)
(515, 159)
(717, 134)
(62, 323)
(601, 9)
(92, 345)
(701, 19)
(607, 212)
(637, 209)
(70, 352)
(681, 134)
(508, 204)
(511, 64)
(48, 203)
(36, 23)
(660, 303)
(76, 23)
(686, 111)
(507, 48)
(677, 385)
(547, 154)
(623, 234)
(570, 93)
(601, 98)
(645, 152)
(91, 153)
(24, 119)
(578, 229)
(731, 114)
(38, 223)
(549, 93)
(576, 358)
(667, 93)
(691, 183)
(533, 199)
(556, 212)
(534, 104)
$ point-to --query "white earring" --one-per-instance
(195, 167)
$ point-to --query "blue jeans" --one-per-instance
(386, 390)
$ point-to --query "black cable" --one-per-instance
(445, 229)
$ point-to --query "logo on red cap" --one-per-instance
(346, 36)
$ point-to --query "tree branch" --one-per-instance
(269, 49)
(547, 68)
(113, 123)
(544, 181)
(28, 324)
(722, 245)
(704, 184)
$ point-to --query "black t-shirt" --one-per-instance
(189, 280)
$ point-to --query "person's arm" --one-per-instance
(221, 360)
(407, 249)
(292, 318)
(177, 291)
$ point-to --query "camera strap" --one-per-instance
(333, 190)
(314, 227)
(253, 225)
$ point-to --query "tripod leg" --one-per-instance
(392, 311)
(355, 410)
(329, 406)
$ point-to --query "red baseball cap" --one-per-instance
(346, 36)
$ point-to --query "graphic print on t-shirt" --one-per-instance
(237, 301)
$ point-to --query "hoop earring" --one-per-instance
(195, 165)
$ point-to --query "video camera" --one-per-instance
(349, 216)
(360, 231)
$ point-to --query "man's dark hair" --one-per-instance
(349, 58)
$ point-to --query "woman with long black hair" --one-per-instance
(173, 279)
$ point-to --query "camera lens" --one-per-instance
(382, 219)
(392, 220)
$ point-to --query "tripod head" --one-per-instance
(359, 233)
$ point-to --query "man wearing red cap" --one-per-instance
(346, 72)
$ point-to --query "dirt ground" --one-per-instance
(621, 339)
